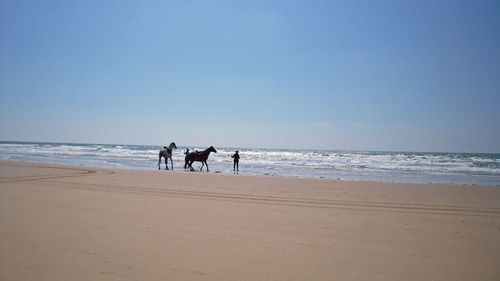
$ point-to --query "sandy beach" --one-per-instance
(81, 223)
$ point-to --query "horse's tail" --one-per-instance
(159, 159)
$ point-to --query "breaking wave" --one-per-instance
(453, 168)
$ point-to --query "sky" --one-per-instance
(352, 75)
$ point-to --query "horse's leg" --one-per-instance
(191, 165)
(201, 166)
(166, 163)
(171, 162)
(159, 161)
(206, 165)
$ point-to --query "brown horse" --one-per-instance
(200, 157)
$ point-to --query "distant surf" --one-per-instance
(410, 167)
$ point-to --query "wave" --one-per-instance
(460, 168)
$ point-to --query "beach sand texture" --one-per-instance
(81, 223)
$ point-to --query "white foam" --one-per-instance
(421, 167)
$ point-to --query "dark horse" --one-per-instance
(200, 157)
(166, 153)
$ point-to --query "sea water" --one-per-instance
(412, 167)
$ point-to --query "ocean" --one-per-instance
(384, 166)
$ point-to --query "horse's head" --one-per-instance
(212, 149)
(172, 145)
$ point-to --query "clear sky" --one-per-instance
(370, 75)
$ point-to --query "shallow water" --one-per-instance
(413, 167)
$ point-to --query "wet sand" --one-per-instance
(81, 223)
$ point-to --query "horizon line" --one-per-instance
(250, 147)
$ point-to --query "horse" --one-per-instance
(166, 153)
(200, 157)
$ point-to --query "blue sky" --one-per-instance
(369, 75)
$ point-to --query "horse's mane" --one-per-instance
(204, 151)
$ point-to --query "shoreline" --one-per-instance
(63, 222)
(410, 167)
(264, 175)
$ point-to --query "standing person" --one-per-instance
(236, 157)
(186, 158)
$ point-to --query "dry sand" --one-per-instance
(80, 223)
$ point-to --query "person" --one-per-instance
(186, 158)
(236, 157)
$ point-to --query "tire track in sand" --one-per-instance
(282, 200)
(79, 172)
(268, 199)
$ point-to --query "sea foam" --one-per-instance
(454, 168)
